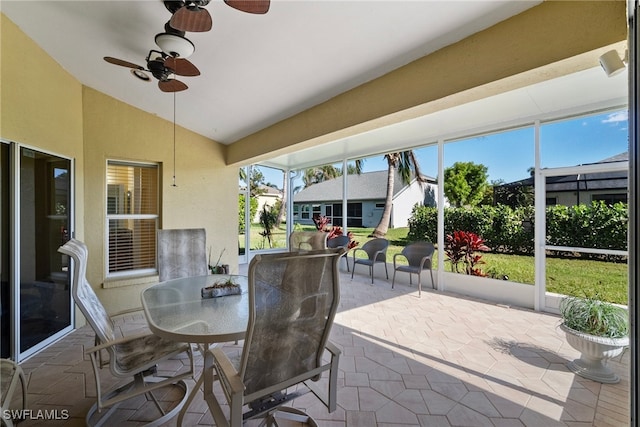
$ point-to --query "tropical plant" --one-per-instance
(406, 164)
(268, 221)
(460, 248)
(322, 224)
(592, 316)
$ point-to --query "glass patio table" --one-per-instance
(175, 310)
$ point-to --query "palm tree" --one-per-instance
(320, 173)
(407, 165)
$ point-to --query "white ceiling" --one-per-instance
(256, 69)
(260, 69)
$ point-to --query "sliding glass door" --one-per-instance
(5, 258)
(44, 291)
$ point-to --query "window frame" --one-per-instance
(109, 217)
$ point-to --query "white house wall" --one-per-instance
(406, 199)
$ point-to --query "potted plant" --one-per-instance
(599, 330)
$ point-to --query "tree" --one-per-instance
(465, 183)
(283, 202)
(319, 174)
(407, 165)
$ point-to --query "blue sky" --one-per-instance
(508, 155)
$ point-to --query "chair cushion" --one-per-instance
(137, 353)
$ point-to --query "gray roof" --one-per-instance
(366, 186)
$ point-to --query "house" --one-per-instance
(574, 189)
(366, 194)
(131, 167)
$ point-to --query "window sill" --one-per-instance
(119, 282)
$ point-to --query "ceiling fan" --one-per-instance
(163, 67)
(190, 15)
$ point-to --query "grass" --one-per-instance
(576, 277)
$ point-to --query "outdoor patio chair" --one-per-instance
(376, 250)
(419, 255)
(340, 242)
(293, 298)
(129, 356)
(182, 253)
(10, 375)
(307, 240)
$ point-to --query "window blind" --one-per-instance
(132, 216)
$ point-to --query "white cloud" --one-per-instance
(621, 116)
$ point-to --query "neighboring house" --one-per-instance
(569, 190)
(366, 198)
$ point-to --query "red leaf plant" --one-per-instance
(322, 224)
(460, 248)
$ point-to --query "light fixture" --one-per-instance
(175, 45)
(140, 74)
(611, 63)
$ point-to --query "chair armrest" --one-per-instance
(121, 340)
(424, 260)
(227, 371)
(355, 251)
(394, 259)
(333, 349)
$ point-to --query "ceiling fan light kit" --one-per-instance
(187, 15)
(175, 45)
(140, 74)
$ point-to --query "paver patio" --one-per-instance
(438, 360)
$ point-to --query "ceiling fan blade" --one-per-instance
(181, 67)
(191, 18)
(172, 85)
(250, 6)
(122, 63)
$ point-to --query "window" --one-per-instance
(305, 212)
(132, 217)
(551, 201)
(317, 211)
(610, 199)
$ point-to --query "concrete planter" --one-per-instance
(595, 352)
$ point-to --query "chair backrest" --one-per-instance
(307, 240)
(83, 293)
(182, 253)
(293, 298)
(338, 242)
(376, 245)
(414, 253)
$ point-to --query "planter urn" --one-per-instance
(595, 353)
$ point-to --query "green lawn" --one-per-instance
(564, 276)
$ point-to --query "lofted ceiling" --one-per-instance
(260, 69)
(256, 69)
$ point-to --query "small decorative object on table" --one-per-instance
(221, 289)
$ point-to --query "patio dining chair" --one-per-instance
(307, 240)
(182, 253)
(133, 356)
(419, 256)
(376, 252)
(293, 299)
(340, 242)
(10, 375)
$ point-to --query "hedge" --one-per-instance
(511, 230)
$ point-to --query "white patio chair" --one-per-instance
(182, 253)
(307, 240)
(293, 298)
(10, 375)
(129, 356)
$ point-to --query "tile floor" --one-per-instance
(438, 360)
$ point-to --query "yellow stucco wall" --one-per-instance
(44, 107)
(206, 194)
